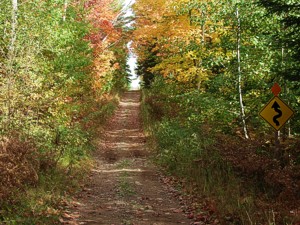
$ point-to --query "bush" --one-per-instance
(18, 165)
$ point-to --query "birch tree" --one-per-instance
(65, 10)
(11, 59)
(238, 43)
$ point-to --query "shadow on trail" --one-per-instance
(124, 187)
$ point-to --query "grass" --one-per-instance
(188, 151)
(127, 222)
(44, 203)
(124, 164)
(125, 188)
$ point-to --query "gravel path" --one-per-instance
(124, 187)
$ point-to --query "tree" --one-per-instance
(289, 34)
(108, 41)
(238, 43)
(207, 45)
(11, 58)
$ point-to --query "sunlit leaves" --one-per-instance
(49, 79)
(107, 40)
(194, 43)
(184, 36)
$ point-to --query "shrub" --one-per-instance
(18, 165)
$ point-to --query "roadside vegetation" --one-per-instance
(207, 67)
(242, 181)
(206, 78)
(62, 67)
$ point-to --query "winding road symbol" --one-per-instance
(276, 112)
(276, 107)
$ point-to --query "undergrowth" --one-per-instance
(40, 171)
(44, 202)
(191, 133)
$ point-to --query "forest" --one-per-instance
(208, 68)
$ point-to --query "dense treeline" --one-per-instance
(60, 63)
(208, 68)
(221, 47)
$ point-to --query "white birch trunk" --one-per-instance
(11, 58)
(242, 108)
(203, 43)
(14, 22)
(65, 10)
(287, 126)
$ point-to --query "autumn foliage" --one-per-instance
(60, 69)
(208, 68)
(18, 166)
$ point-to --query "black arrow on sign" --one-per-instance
(276, 107)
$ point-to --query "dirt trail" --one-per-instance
(125, 188)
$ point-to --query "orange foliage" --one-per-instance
(181, 44)
(104, 34)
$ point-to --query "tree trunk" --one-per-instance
(203, 44)
(65, 10)
(287, 127)
(14, 22)
(242, 108)
(11, 58)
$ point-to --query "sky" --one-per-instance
(132, 59)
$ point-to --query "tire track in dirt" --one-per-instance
(124, 187)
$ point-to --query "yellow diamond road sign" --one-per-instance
(276, 113)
